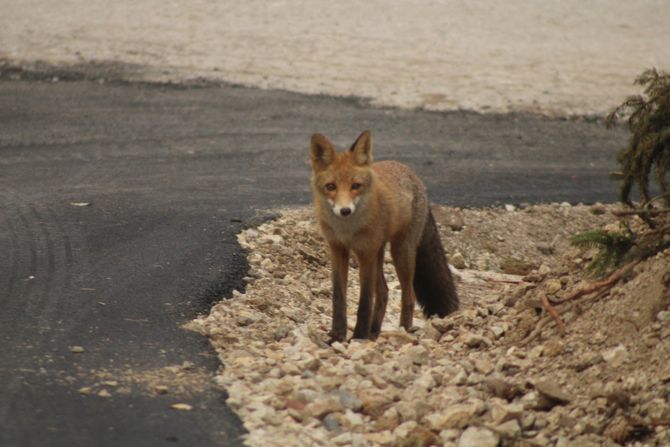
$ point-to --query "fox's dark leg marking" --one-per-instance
(368, 275)
(340, 271)
(381, 298)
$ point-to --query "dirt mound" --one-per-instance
(497, 372)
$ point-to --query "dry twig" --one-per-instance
(587, 290)
(598, 285)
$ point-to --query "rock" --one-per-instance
(342, 439)
(550, 395)
(553, 348)
(77, 349)
(553, 286)
(161, 389)
(349, 400)
(501, 388)
(323, 406)
(545, 248)
(104, 393)
(510, 208)
(619, 430)
(380, 438)
(374, 403)
(419, 435)
(330, 422)
(587, 361)
(663, 315)
(458, 261)
(502, 412)
(455, 416)
(414, 354)
(483, 366)
(182, 407)
(478, 437)
(509, 429)
(615, 356)
(388, 421)
(474, 341)
(497, 331)
(455, 221)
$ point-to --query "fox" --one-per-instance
(361, 206)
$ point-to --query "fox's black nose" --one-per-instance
(345, 211)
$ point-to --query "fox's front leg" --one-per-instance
(340, 270)
(367, 264)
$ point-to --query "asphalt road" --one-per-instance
(171, 175)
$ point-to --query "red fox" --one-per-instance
(361, 206)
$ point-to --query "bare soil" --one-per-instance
(472, 378)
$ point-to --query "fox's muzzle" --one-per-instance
(343, 211)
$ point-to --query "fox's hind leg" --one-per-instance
(404, 258)
(381, 297)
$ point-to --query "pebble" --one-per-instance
(478, 437)
(615, 356)
(182, 407)
(77, 349)
(551, 394)
(458, 261)
(509, 429)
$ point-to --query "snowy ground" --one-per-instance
(567, 57)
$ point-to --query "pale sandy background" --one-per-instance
(556, 57)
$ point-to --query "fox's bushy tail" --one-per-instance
(433, 284)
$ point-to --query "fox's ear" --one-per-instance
(362, 148)
(323, 152)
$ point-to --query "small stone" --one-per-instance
(111, 383)
(349, 400)
(86, 390)
(330, 422)
(545, 248)
(551, 394)
(553, 348)
(663, 315)
(343, 439)
(455, 221)
(387, 421)
(483, 366)
(182, 407)
(615, 356)
(510, 208)
(455, 416)
(77, 349)
(498, 331)
(553, 286)
(474, 341)
(587, 361)
(598, 209)
(509, 429)
(502, 389)
(161, 389)
(321, 407)
(502, 412)
(104, 393)
(478, 437)
(458, 261)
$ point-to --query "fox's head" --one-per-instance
(342, 178)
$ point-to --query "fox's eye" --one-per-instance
(356, 186)
(330, 186)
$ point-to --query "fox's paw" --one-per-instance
(336, 337)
